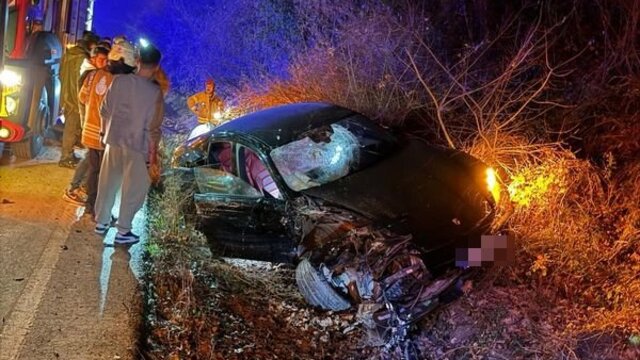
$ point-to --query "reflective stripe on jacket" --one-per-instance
(91, 94)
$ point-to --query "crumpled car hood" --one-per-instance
(436, 194)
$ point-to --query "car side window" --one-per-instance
(221, 156)
(220, 175)
(257, 174)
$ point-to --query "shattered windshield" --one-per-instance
(328, 153)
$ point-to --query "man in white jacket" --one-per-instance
(132, 113)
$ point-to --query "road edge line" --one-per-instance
(18, 323)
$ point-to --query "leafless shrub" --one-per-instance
(341, 66)
(228, 41)
(607, 94)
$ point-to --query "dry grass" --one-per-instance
(189, 291)
(349, 72)
(578, 234)
(176, 243)
(574, 221)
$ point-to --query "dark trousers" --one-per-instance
(80, 175)
(71, 134)
(93, 174)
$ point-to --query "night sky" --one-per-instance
(114, 17)
(224, 40)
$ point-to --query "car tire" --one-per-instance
(316, 289)
(28, 148)
(32, 145)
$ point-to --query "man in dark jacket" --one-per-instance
(70, 76)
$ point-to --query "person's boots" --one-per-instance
(69, 162)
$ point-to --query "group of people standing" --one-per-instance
(112, 95)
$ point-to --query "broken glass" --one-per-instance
(331, 152)
(217, 181)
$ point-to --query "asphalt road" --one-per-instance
(65, 292)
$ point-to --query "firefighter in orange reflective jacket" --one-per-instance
(206, 105)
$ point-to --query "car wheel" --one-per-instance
(28, 148)
(316, 289)
(32, 145)
(379, 271)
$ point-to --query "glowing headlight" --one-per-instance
(4, 133)
(11, 105)
(492, 183)
(217, 115)
(10, 78)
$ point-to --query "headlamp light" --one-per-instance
(492, 183)
(10, 78)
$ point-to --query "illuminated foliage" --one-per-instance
(532, 185)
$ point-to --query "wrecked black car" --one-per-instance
(370, 219)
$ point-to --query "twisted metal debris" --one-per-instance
(347, 261)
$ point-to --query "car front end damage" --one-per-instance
(385, 225)
(348, 261)
(386, 240)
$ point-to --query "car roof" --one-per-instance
(280, 125)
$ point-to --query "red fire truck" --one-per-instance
(34, 36)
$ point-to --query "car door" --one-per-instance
(238, 218)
